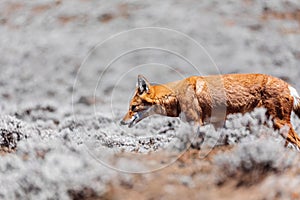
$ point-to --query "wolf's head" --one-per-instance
(142, 104)
(146, 101)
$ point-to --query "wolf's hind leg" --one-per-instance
(291, 136)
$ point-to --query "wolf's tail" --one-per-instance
(297, 109)
(295, 95)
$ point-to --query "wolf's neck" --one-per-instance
(170, 104)
(166, 97)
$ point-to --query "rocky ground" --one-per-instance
(68, 70)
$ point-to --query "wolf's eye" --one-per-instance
(133, 107)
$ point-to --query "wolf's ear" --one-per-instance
(142, 84)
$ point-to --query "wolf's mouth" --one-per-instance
(136, 118)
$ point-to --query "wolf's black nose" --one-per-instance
(122, 122)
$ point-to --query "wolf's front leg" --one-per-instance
(198, 140)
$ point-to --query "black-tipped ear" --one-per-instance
(142, 84)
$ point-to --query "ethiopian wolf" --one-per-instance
(197, 97)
